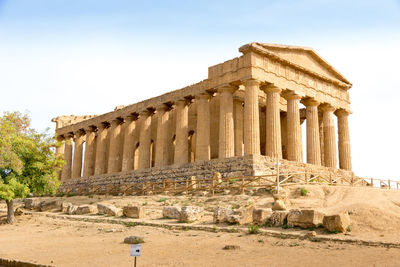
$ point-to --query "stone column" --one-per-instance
(78, 154)
(238, 125)
(144, 140)
(181, 133)
(128, 157)
(294, 142)
(313, 138)
(273, 147)
(161, 157)
(203, 127)
(100, 166)
(344, 139)
(329, 136)
(114, 152)
(251, 117)
(67, 168)
(90, 152)
(60, 151)
(226, 146)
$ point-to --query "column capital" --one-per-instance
(162, 107)
(145, 112)
(79, 133)
(204, 96)
(103, 125)
(130, 117)
(227, 88)
(115, 122)
(309, 102)
(182, 102)
(270, 88)
(68, 135)
(289, 95)
(342, 112)
(327, 107)
(250, 82)
(89, 129)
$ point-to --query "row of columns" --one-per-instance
(237, 133)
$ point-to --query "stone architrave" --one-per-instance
(128, 157)
(114, 154)
(90, 152)
(294, 142)
(329, 136)
(145, 140)
(100, 166)
(226, 126)
(78, 154)
(251, 123)
(313, 138)
(273, 147)
(67, 168)
(344, 140)
(238, 125)
(181, 132)
(203, 127)
(161, 157)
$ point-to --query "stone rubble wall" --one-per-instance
(250, 165)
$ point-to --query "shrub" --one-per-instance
(144, 203)
(60, 194)
(303, 191)
(71, 194)
(349, 228)
(254, 229)
(163, 199)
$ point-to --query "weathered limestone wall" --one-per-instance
(249, 165)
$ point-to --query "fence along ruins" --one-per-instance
(239, 121)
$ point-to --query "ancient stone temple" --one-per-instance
(248, 113)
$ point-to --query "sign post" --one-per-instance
(136, 251)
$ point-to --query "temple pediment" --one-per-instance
(302, 57)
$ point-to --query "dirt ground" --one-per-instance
(375, 215)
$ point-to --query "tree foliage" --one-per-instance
(28, 162)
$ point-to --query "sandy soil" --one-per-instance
(70, 243)
(375, 215)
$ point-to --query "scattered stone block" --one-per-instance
(171, 212)
(32, 203)
(136, 212)
(190, 214)
(241, 216)
(71, 209)
(133, 239)
(278, 217)
(310, 235)
(231, 247)
(221, 214)
(18, 211)
(279, 205)
(108, 210)
(305, 218)
(281, 195)
(64, 206)
(86, 209)
(50, 205)
(260, 216)
(337, 222)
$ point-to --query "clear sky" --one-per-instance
(60, 57)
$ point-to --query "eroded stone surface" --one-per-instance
(190, 214)
(338, 222)
(136, 212)
(171, 212)
(108, 209)
(305, 218)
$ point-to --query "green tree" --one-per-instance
(28, 163)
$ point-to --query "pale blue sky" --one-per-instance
(60, 57)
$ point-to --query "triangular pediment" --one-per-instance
(304, 57)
